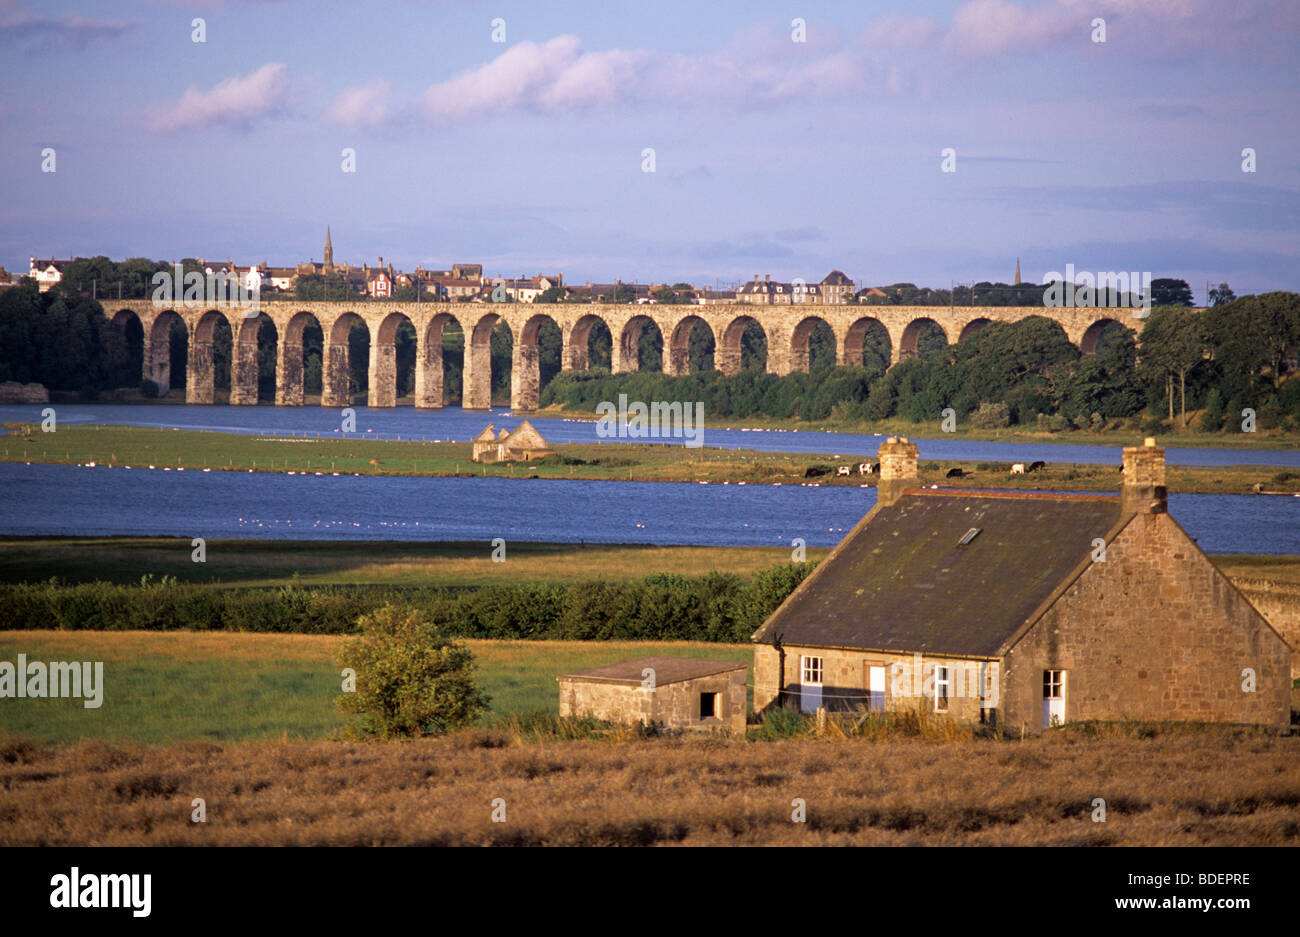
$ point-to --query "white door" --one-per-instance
(876, 689)
(810, 689)
(1053, 698)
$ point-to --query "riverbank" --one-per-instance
(155, 449)
(1118, 432)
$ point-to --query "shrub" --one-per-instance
(782, 722)
(410, 679)
(150, 389)
(991, 416)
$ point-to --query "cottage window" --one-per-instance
(812, 670)
(942, 685)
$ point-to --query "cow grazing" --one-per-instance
(954, 473)
(842, 470)
(864, 468)
(1035, 466)
(1018, 468)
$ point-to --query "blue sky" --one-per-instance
(771, 155)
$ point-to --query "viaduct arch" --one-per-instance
(788, 329)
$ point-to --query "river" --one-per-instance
(69, 500)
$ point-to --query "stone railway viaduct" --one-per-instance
(788, 329)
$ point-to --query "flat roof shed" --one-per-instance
(674, 693)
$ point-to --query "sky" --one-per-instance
(785, 138)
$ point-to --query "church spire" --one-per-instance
(1017, 271)
(329, 251)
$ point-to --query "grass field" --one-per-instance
(169, 687)
(449, 563)
(142, 448)
(1183, 786)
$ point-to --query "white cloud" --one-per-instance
(558, 75)
(238, 101)
(363, 106)
(895, 54)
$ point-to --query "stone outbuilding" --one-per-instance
(1024, 610)
(520, 444)
(674, 693)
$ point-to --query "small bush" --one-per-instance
(410, 679)
(991, 416)
(150, 389)
(782, 722)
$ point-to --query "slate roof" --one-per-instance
(667, 670)
(901, 581)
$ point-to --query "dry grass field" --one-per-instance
(1187, 787)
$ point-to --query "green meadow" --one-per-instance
(189, 686)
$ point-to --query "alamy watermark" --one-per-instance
(966, 679)
(1106, 289)
(56, 679)
(658, 419)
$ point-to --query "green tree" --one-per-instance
(410, 679)
(1173, 342)
(1222, 294)
(665, 296)
(1168, 292)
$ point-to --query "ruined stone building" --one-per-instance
(521, 443)
(674, 693)
(1023, 610)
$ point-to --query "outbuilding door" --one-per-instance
(1053, 698)
(810, 684)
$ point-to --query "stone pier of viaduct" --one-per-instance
(788, 329)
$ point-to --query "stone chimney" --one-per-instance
(897, 469)
(1144, 490)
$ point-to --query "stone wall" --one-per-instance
(1279, 602)
(1153, 632)
(674, 706)
(845, 680)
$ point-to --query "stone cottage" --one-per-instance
(1023, 610)
(675, 693)
(524, 442)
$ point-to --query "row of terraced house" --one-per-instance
(465, 282)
